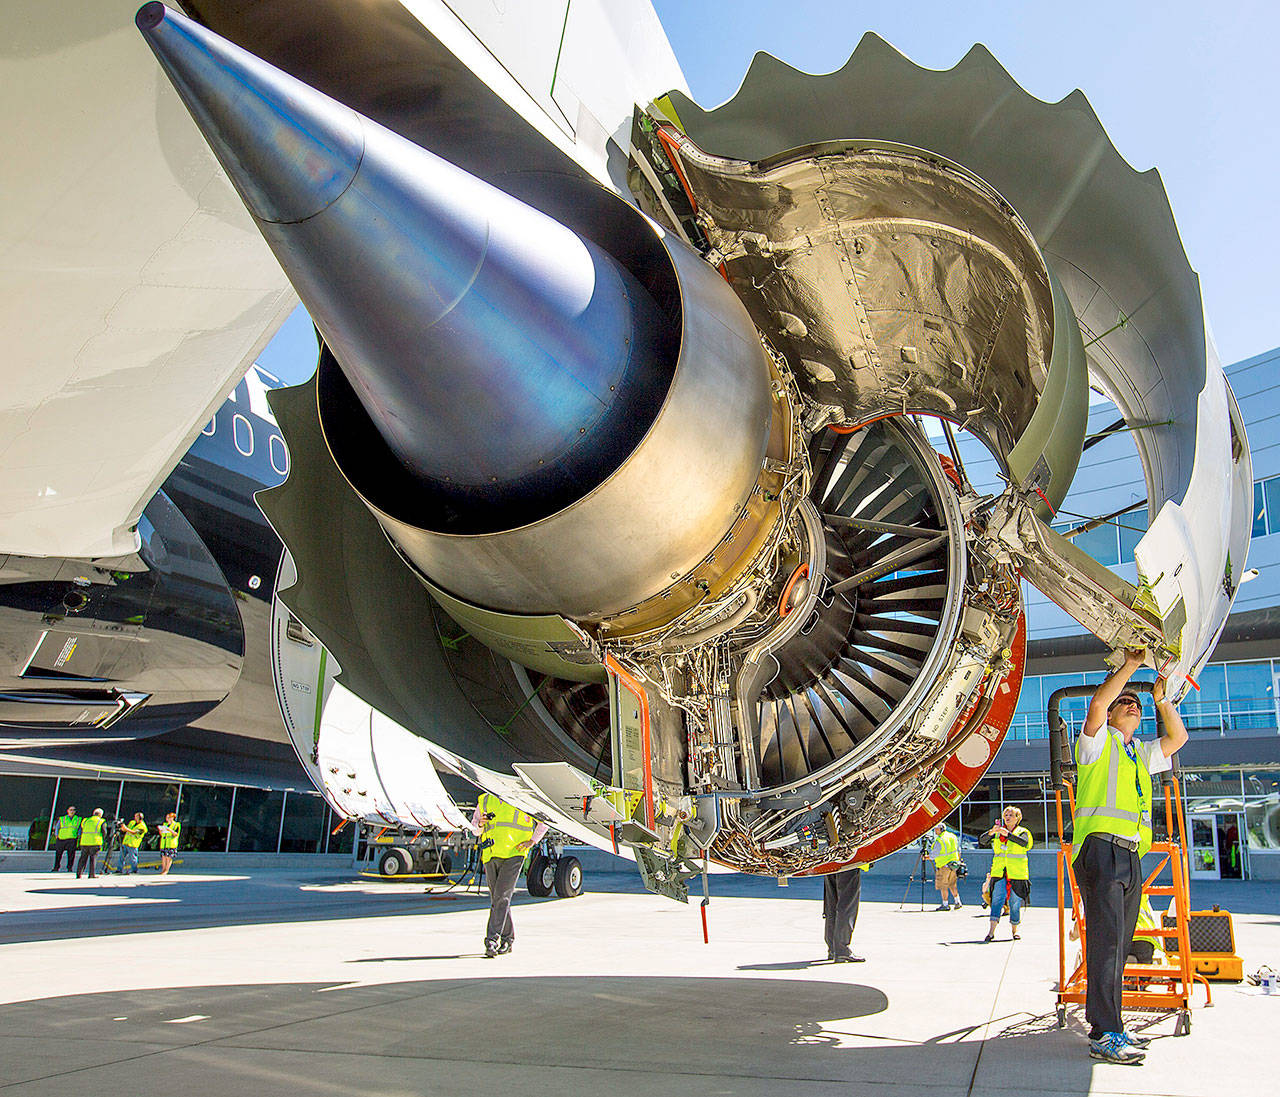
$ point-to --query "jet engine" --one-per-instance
(641, 494)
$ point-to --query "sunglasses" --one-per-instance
(1126, 700)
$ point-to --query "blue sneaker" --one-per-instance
(1114, 1048)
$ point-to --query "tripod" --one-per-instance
(111, 846)
(917, 868)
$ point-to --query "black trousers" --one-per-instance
(89, 857)
(1110, 880)
(841, 893)
(501, 874)
(67, 846)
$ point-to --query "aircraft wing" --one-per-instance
(136, 291)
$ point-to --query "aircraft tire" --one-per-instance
(568, 877)
(541, 877)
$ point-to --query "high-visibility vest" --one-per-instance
(1147, 920)
(169, 834)
(944, 849)
(91, 831)
(133, 834)
(508, 828)
(68, 826)
(1010, 858)
(1113, 794)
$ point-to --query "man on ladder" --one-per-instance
(506, 834)
(1112, 832)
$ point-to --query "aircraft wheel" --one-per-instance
(395, 862)
(568, 877)
(542, 876)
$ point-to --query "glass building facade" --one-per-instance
(214, 818)
(1234, 700)
(1253, 794)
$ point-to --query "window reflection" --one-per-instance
(205, 815)
(154, 801)
(304, 818)
(255, 827)
(25, 804)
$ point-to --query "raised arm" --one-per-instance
(1175, 731)
(1020, 837)
(1109, 691)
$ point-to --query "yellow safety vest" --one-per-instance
(91, 831)
(68, 826)
(1010, 858)
(1147, 920)
(1113, 795)
(944, 849)
(169, 834)
(508, 828)
(134, 833)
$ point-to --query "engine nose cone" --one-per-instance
(255, 119)
(505, 360)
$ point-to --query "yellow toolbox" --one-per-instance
(1213, 945)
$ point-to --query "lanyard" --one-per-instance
(1132, 752)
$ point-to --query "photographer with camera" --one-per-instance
(945, 855)
(1010, 872)
(130, 841)
(506, 835)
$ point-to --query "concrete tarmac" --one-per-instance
(314, 982)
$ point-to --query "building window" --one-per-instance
(84, 796)
(255, 827)
(25, 804)
(205, 814)
(155, 801)
(304, 819)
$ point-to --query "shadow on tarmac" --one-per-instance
(652, 1035)
(196, 903)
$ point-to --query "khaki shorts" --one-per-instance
(944, 877)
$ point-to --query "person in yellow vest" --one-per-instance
(169, 831)
(1112, 830)
(1144, 949)
(945, 855)
(66, 837)
(841, 897)
(131, 840)
(506, 835)
(90, 843)
(1010, 843)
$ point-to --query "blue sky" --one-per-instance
(1192, 89)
